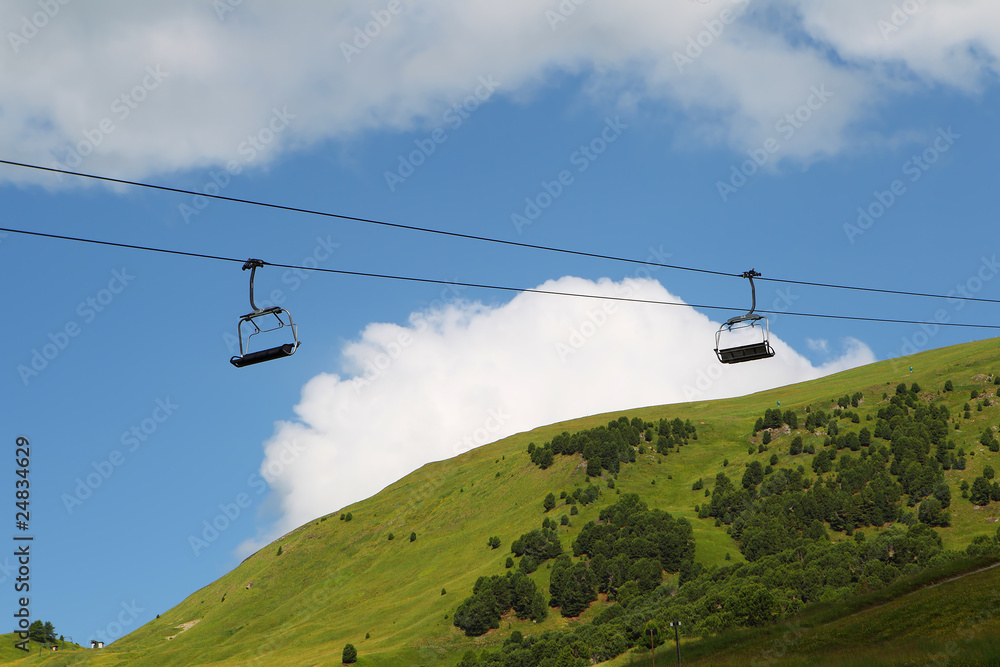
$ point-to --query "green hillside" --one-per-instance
(337, 581)
(955, 622)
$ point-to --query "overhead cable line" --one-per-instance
(485, 239)
(456, 283)
(369, 221)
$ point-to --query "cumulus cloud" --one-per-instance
(954, 43)
(462, 374)
(75, 84)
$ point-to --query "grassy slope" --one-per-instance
(336, 581)
(956, 622)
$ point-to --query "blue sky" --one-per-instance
(720, 135)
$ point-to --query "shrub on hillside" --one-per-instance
(549, 502)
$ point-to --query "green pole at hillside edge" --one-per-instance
(651, 652)
(677, 639)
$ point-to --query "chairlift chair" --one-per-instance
(258, 318)
(749, 352)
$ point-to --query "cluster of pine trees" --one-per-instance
(890, 471)
(983, 490)
(607, 447)
(492, 597)
(769, 509)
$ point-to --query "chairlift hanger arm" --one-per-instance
(751, 274)
(749, 317)
(253, 265)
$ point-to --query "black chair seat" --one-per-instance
(752, 352)
(260, 356)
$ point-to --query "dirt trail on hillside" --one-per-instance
(184, 626)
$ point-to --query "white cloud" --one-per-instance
(465, 374)
(63, 78)
(953, 43)
(818, 345)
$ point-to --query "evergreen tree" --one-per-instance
(350, 655)
(754, 475)
(470, 659)
(756, 605)
(36, 631)
(980, 493)
(549, 502)
(943, 494)
(930, 513)
(572, 587)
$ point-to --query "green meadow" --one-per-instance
(336, 582)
